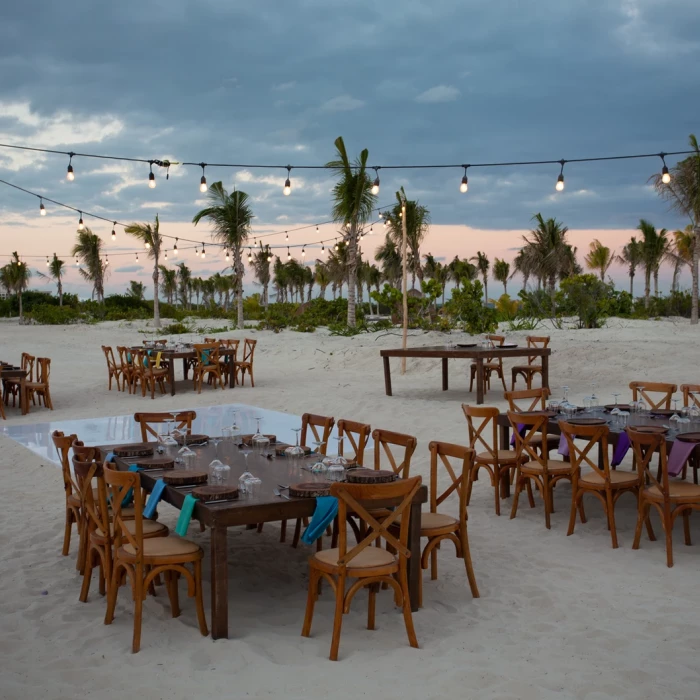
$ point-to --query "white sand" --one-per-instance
(558, 617)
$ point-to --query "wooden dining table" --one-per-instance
(16, 374)
(265, 506)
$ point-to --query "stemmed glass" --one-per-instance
(296, 453)
(259, 441)
(168, 438)
(340, 459)
(318, 444)
(615, 397)
(565, 389)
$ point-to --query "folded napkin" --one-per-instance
(128, 357)
(563, 448)
(621, 449)
(150, 510)
(324, 515)
(158, 356)
(183, 522)
(680, 453)
(109, 457)
(205, 357)
(521, 430)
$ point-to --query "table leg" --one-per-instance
(387, 376)
(231, 371)
(545, 371)
(479, 380)
(413, 564)
(171, 376)
(505, 436)
(184, 367)
(504, 431)
(444, 374)
(219, 583)
(23, 398)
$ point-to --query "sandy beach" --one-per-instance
(564, 617)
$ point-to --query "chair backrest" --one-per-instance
(43, 370)
(27, 364)
(207, 354)
(384, 440)
(119, 485)
(83, 452)
(89, 474)
(213, 340)
(109, 356)
(182, 419)
(313, 422)
(536, 341)
(63, 443)
(665, 390)
(645, 446)
(249, 349)
(596, 436)
(479, 418)
(358, 499)
(527, 400)
(357, 435)
(525, 427)
(442, 452)
(497, 340)
(691, 394)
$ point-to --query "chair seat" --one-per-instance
(553, 467)
(618, 479)
(34, 386)
(165, 547)
(677, 490)
(552, 441)
(75, 500)
(437, 523)
(504, 456)
(368, 558)
(151, 528)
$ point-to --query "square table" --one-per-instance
(18, 375)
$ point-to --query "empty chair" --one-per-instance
(528, 400)
(691, 395)
(127, 366)
(492, 365)
(181, 420)
(39, 390)
(227, 346)
(12, 386)
(149, 371)
(206, 364)
(63, 443)
(386, 443)
(357, 434)
(114, 370)
(534, 362)
(246, 364)
(368, 565)
(656, 394)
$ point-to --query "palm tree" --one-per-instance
(261, 270)
(461, 270)
(309, 280)
(655, 247)
(322, 277)
(632, 257)
(683, 194)
(184, 277)
(15, 278)
(353, 203)
(169, 285)
(388, 256)
(88, 250)
(373, 279)
(599, 258)
(151, 238)
(231, 216)
(57, 269)
(501, 271)
(482, 264)
(523, 264)
(682, 253)
(136, 290)
(431, 266)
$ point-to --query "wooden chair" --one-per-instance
(182, 420)
(533, 465)
(126, 364)
(12, 386)
(144, 559)
(483, 435)
(669, 498)
(666, 390)
(492, 365)
(2, 405)
(527, 401)
(384, 440)
(39, 389)
(534, 362)
(207, 364)
(605, 484)
(163, 342)
(228, 344)
(691, 395)
(370, 566)
(246, 364)
(63, 444)
(114, 370)
(149, 372)
(357, 434)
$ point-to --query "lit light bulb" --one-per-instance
(317, 231)
(288, 183)
(81, 225)
(146, 245)
(47, 261)
(371, 231)
(385, 222)
(665, 175)
(375, 184)
(226, 254)
(465, 184)
(336, 246)
(175, 249)
(286, 236)
(151, 180)
(303, 252)
(560, 183)
(42, 209)
(70, 175)
(137, 257)
(289, 254)
(269, 258)
(114, 233)
(166, 254)
(204, 254)
(203, 184)
(77, 261)
(196, 252)
(107, 259)
(362, 236)
(250, 255)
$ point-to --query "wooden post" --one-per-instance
(404, 257)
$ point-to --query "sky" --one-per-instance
(275, 83)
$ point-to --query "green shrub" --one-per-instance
(176, 329)
(304, 327)
(466, 307)
(50, 315)
(584, 296)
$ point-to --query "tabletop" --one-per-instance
(466, 350)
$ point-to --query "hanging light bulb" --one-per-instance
(70, 175)
(375, 185)
(175, 249)
(146, 245)
(323, 247)
(317, 231)
(464, 186)
(47, 261)
(371, 230)
(289, 254)
(137, 257)
(196, 251)
(166, 254)
(204, 254)
(250, 255)
(107, 259)
(227, 255)
(381, 216)
(303, 252)
(336, 245)
(151, 178)
(362, 235)
(560, 180)
(42, 208)
(203, 181)
(77, 261)
(81, 225)
(386, 221)
(114, 233)
(665, 175)
(288, 182)
(255, 241)
(286, 237)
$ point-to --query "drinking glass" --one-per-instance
(340, 459)
(318, 444)
(587, 403)
(218, 473)
(295, 454)
(243, 480)
(623, 419)
(683, 425)
(594, 398)
(259, 441)
(615, 417)
(565, 389)
(615, 397)
(335, 472)
(673, 421)
(694, 416)
(253, 486)
(187, 456)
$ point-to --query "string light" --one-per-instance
(81, 225)
(665, 175)
(42, 208)
(288, 182)
(175, 249)
(137, 257)
(464, 186)
(371, 230)
(203, 181)
(560, 180)
(323, 248)
(204, 253)
(336, 245)
(151, 177)
(146, 245)
(375, 185)
(286, 236)
(289, 254)
(47, 261)
(70, 175)
(107, 259)
(250, 255)
(362, 235)
(77, 261)
(303, 252)
(114, 233)
(166, 254)
(196, 251)
(227, 255)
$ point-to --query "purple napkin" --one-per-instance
(621, 449)
(521, 430)
(563, 446)
(680, 452)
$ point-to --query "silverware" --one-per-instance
(283, 487)
(277, 492)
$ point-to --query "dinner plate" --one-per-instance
(587, 421)
(507, 346)
(658, 429)
(466, 345)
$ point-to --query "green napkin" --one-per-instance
(183, 522)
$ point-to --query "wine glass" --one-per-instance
(259, 441)
(340, 459)
(615, 395)
(565, 399)
(318, 444)
(295, 454)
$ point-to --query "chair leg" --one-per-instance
(497, 476)
(311, 596)
(138, 609)
(530, 497)
(575, 494)
(466, 555)
(87, 576)
(67, 532)
(198, 599)
(112, 593)
(297, 533)
(668, 527)
(434, 564)
(171, 586)
(547, 494)
(610, 507)
(407, 616)
(516, 496)
(642, 517)
(371, 606)
(283, 531)
(338, 616)
(686, 527)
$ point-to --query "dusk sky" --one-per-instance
(274, 82)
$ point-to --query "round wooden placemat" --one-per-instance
(215, 492)
(587, 421)
(247, 439)
(310, 489)
(280, 448)
(184, 477)
(370, 476)
(141, 450)
(192, 439)
(688, 437)
(658, 429)
(155, 463)
(618, 406)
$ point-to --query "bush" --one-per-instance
(584, 296)
(176, 329)
(304, 327)
(50, 315)
(466, 307)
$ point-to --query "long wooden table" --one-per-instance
(17, 375)
(264, 507)
(478, 354)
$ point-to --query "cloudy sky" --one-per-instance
(276, 82)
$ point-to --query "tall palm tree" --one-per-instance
(655, 247)
(14, 277)
(631, 256)
(501, 272)
(88, 249)
(169, 285)
(482, 265)
(388, 255)
(373, 279)
(682, 253)
(309, 280)
(322, 277)
(523, 264)
(600, 258)
(231, 216)
(261, 269)
(56, 271)
(461, 270)
(683, 195)
(136, 290)
(151, 238)
(353, 203)
(184, 279)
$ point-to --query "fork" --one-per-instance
(277, 492)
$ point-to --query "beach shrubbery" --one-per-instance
(465, 308)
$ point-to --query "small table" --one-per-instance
(265, 507)
(474, 353)
(18, 375)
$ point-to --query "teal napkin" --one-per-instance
(109, 457)
(205, 357)
(324, 515)
(150, 510)
(183, 522)
(126, 501)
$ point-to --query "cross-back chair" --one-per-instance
(606, 484)
(534, 465)
(691, 395)
(669, 498)
(368, 565)
(13, 386)
(384, 441)
(127, 367)
(483, 440)
(527, 401)
(492, 365)
(2, 404)
(246, 364)
(664, 393)
(39, 390)
(143, 559)
(534, 362)
(206, 364)
(357, 434)
(181, 419)
(228, 345)
(150, 371)
(114, 370)
(63, 444)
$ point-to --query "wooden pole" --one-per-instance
(404, 255)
